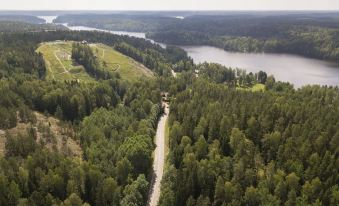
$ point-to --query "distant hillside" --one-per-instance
(14, 26)
(119, 22)
(22, 18)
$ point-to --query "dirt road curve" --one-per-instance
(174, 74)
(159, 160)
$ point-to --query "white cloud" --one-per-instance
(169, 4)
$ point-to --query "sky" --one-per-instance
(169, 4)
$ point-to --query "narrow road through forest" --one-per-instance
(159, 160)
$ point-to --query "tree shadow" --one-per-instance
(151, 190)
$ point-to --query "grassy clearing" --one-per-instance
(112, 60)
(60, 65)
(254, 88)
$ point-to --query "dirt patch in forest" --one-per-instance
(50, 132)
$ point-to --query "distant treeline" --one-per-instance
(15, 26)
(311, 36)
(118, 22)
(22, 18)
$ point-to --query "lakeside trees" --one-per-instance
(311, 41)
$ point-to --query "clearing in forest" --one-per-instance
(50, 132)
(255, 88)
(61, 66)
(59, 63)
(113, 60)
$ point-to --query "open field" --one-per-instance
(254, 88)
(115, 61)
(60, 65)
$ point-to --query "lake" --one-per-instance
(48, 19)
(291, 68)
(295, 69)
(122, 33)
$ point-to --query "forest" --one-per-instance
(236, 147)
(16, 26)
(308, 35)
(228, 144)
(21, 18)
(112, 120)
(83, 55)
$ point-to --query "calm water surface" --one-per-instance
(48, 19)
(122, 33)
(292, 68)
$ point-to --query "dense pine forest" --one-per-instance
(234, 147)
(229, 143)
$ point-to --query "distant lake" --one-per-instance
(85, 28)
(48, 19)
(122, 33)
(295, 69)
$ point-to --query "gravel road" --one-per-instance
(159, 160)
